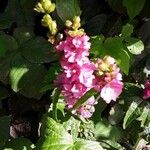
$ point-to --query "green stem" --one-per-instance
(55, 97)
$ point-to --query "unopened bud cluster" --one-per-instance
(47, 7)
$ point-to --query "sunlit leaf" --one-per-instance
(132, 113)
(135, 46)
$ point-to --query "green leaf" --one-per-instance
(127, 30)
(67, 10)
(24, 76)
(133, 7)
(115, 48)
(8, 43)
(55, 136)
(23, 34)
(86, 145)
(2, 47)
(95, 25)
(3, 93)
(116, 5)
(104, 130)
(145, 115)
(135, 46)
(132, 112)
(19, 144)
(18, 11)
(38, 50)
(96, 45)
(72, 125)
(5, 65)
(4, 130)
(6, 20)
(111, 145)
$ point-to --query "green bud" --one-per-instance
(46, 21)
(68, 23)
(76, 23)
(48, 6)
(39, 8)
(45, 6)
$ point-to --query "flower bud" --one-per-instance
(48, 6)
(76, 23)
(45, 6)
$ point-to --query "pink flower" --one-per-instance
(108, 79)
(77, 76)
(87, 109)
(111, 90)
(147, 90)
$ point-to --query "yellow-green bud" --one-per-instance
(39, 8)
(51, 24)
(45, 6)
(48, 6)
(76, 23)
(53, 27)
(68, 23)
(46, 21)
(79, 32)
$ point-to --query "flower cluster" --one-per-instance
(147, 90)
(77, 76)
(108, 79)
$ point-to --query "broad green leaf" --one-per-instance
(4, 130)
(132, 112)
(19, 144)
(115, 48)
(6, 20)
(8, 43)
(135, 46)
(111, 145)
(2, 47)
(145, 115)
(54, 136)
(23, 34)
(38, 50)
(67, 10)
(3, 93)
(127, 30)
(26, 78)
(18, 11)
(96, 45)
(5, 65)
(116, 5)
(133, 7)
(104, 130)
(72, 125)
(95, 25)
(86, 145)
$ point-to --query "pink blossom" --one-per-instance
(147, 90)
(77, 76)
(108, 80)
(87, 109)
(111, 90)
